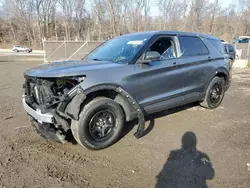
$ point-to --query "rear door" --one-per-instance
(231, 51)
(195, 67)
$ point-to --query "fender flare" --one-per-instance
(140, 115)
(225, 72)
(221, 70)
(217, 71)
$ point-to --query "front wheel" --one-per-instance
(214, 94)
(100, 124)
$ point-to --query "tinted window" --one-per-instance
(192, 46)
(225, 48)
(218, 45)
(165, 47)
(245, 40)
(231, 49)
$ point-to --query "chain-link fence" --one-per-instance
(242, 50)
(74, 50)
(68, 50)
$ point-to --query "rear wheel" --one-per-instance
(16, 51)
(215, 93)
(231, 63)
(100, 124)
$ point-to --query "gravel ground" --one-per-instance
(223, 136)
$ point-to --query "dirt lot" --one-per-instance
(29, 161)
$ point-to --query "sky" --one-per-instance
(223, 3)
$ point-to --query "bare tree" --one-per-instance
(197, 14)
(79, 15)
(67, 7)
(44, 12)
(29, 21)
(215, 8)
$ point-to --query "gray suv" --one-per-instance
(126, 78)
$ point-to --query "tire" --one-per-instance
(214, 94)
(27, 51)
(16, 51)
(231, 63)
(87, 132)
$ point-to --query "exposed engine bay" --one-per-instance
(60, 97)
(53, 103)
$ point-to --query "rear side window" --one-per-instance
(192, 46)
(218, 45)
(225, 48)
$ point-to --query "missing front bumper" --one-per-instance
(47, 132)
(36, 114)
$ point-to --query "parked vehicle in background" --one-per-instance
(21, 49)
(242, 40)
(230, 50)
(126, 78)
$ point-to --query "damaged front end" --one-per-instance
(52, 103)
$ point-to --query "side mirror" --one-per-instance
(152, 56)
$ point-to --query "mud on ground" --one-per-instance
(29, 161)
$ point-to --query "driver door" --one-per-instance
(160, 81)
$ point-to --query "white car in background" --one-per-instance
(21, 49)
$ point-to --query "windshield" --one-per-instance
(120, 49)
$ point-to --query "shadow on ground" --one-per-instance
(151, 118)
(186, 167)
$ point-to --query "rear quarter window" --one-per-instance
(231, 48)
(218, 45)
(225, 48)
(192, 46)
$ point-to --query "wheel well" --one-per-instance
(126, 105)
(222, 75)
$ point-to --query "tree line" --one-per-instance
(30, 21)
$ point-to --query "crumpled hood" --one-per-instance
(68, 68)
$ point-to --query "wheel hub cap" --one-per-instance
(101, 124)
(215, 93)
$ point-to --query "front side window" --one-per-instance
(165, 47)
(120, 49)
(192, 46)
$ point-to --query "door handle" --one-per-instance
(175, 65)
